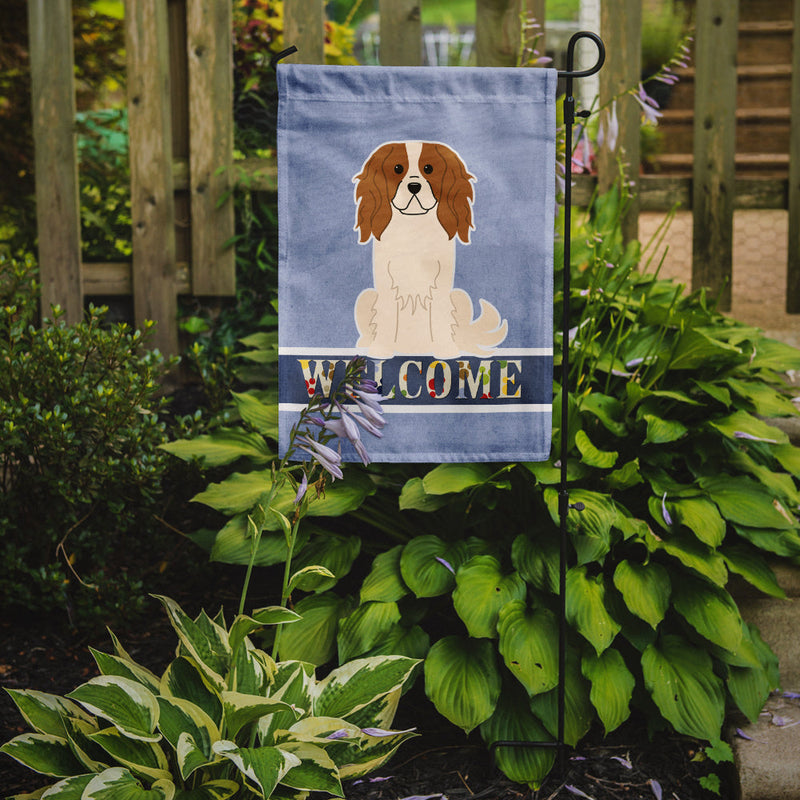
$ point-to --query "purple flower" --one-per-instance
(664, 512)
(655, 786)
(380, 732)
(624, 761)
(577, 792)
(742, 735)
(342, 733)
(301, 489)
(327, 458)
(446, 564)
(608, 131)
(745, 435)
(649, 106)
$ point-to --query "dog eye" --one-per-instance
(427, 169)
(399, 169)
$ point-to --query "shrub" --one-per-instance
(79, 430)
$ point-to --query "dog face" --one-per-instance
(413, 178)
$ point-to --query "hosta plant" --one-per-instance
(224, 720)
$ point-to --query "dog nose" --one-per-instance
(414, 187)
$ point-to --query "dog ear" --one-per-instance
(455, 203)
(374, 195)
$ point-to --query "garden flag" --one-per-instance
(416, 229)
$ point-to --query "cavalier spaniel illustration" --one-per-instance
(414, 199)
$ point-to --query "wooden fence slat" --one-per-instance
(210, 54)
(498, 30)
(401, 33)
(152, 201)
(621, 29)
(304, 27)
(793, 266)
(717, 23)
(56, 161)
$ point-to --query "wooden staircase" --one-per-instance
(762, 103)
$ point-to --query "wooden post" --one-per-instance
(152, 202)
(621, 28)
(304, 27)
(793, 267)
(499, 30)
(210, 53)
(56, 160)
(713, 189)
(401, 33)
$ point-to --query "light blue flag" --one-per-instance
(416, 226)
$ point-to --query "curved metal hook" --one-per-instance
(601, 56)
(273, 62)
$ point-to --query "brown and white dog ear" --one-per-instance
(455, 200)
(374, 194)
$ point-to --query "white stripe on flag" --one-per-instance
(499, 352)
(522, 408)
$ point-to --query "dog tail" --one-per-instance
(476, 336)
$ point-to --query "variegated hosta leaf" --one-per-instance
(242, 709)
(179, 718)
(145, 759)
(513, 721)
(262, 766)
(586, 608)
(683, 685)
(183, 679)
(316, 771)
(252, 670)
(244, 625)
(45, 712)
(125, 668)
(462, 680)
(78, 733)
(294, 685)
(126, 704)
(481, 591)
(612, 686)
(212, 790)
(204, 641)
(385, 581)
(367, 626)
(117, 783)
(68, 789)
(44, 753)
(354, 685)
(529, 645)
(646, 589)
(372, 754)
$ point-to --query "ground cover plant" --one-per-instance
(683, 483)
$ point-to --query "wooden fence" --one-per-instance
(181, 141)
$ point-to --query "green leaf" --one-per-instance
(234, 544)
(529, 645)
(422, 567)
(316, 772)
(782, 543)
(414, 497)
(223, 446)
(742, 422)
(178, 717)
(385, 581)
(481, 591)
(663, 431)
(766, 400)
(612, 687)
(691, 553)
(44, 753)
(646, 589)
(126, 704)
(117, 783)
(145, 759)
(774, 355)
(448, 478)
(241, 709)
(462, 680)
(313, 638)
(264, 766)
(512, 721)
(745, 502)
(586, 608)
(182, 679)
(683, 685)
(719, 393)
(243, 625)
(261, 416)
(399, 640)
(365, 627)
(746, 561)
(749, 687)
(709, 609)
(537, 560)
(701, 517)
(590, 454)
(238, 492)
(695, 349)
(608, 410)
(334, 553)
(625, 477)
(212, 790)
(44, 712)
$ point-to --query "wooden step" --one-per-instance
(767, 165)
(754, 10)
(765, 42)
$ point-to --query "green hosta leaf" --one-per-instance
(663, 431)
(182, 679)
(223, 446)
(596, 519)
(590, 455)
(145, 759)
(767, 401)
(578, 710)
(746, 502)
(782, 543)
(709, 610)
(264, 766)
(243, 625)
(537, 561)
(693, 554)
(701, 517)
(548, 474)
(740, 422)
(424, 565)
(749, 688)
(449, 478)
(261, 416)
(788, 455)
(365, 627)
(385, 582)
(529, 645)
(586, 608)
(312, 577)
(512, 721)
(625, 477)
(413, 496)
(481, 591)
(126, 704)
(399, 640)
(646, 589)
(774, 355)
(753, 567)
(696, 349)
(313, 638)
(608, 410)
(233, 544)
(334, 553)
(125, 668)
(462, 680)
(118, 784)
(718, 392)
(612, 687)
(316, 772)
(212, 790)
(242, 709)
(683, 685)
(44, 753)
(45, 712)
(237, 493)
(355, 685)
